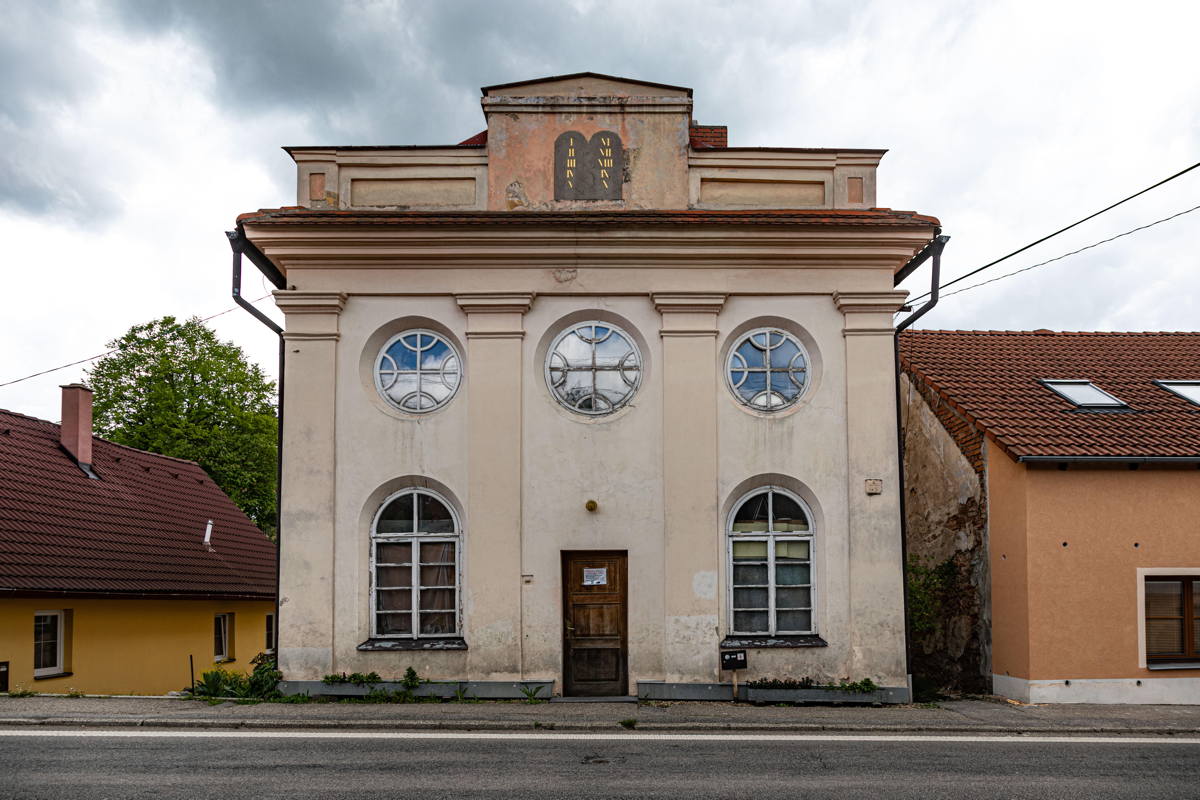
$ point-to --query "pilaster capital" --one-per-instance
(494, 303)
(869, 302)
(688, 303)
(291, 301)
(495, 316)
(310, 316)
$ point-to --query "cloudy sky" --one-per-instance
(132, 134)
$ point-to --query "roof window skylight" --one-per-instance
(1085, 394)
(1188, 390)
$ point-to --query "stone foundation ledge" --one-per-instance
(448, 690)
(663, 690)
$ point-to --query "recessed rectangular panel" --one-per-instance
(412, 192)
(762, 194)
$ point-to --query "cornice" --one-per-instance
(511, 104)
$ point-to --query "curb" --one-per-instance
(548, 727)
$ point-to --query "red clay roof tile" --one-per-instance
(137, 530)
(993, 378)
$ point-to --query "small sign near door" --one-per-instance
(595, 576)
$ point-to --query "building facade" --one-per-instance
(588, 398)
(121, 571)
(1056, 474)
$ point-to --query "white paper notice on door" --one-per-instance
(597, 576)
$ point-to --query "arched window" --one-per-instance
(768, 369)
(770, 565)
(416, 545)
(418, 371)
(593, 368)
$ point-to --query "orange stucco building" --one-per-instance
(1057, 473)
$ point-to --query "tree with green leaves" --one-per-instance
(174, 388)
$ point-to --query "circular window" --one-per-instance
(418, 371)
(593, 368)
(768, 369)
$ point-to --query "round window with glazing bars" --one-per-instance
(418, 371)
(768, 369)
(593, 368)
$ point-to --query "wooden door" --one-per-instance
(594, 623)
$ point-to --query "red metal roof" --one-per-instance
(296, 215)
(137, 530)
(993, 379)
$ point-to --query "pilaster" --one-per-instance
(691, 541)
(876, 573)
(492, 571)
(306, 590)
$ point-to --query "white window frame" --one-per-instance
(416, 539)
(58, 668)
(269, 641)
(771, 537)
(1170, 387)
(456, 355)
(733, 355)
(548, 369)
(224, 619)
(1053, 383)
(1142, 574)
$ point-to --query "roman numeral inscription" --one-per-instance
(588, 169)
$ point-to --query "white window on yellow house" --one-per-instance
(48, 645)
(269, 642)
(223, 637)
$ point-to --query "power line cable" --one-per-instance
(110, 352)
(977, 270)
(1073, 252)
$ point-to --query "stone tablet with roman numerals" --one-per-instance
(588, 169)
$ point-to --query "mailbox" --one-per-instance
(733, 659)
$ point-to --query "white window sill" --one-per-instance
(1175, 665)
(41, 676)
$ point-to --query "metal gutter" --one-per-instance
(1110, 459)
(240, 246)
(932, 250)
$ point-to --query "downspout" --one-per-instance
(933, 251)
(241, 245)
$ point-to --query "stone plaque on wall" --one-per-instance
(588, 169)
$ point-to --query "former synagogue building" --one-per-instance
(585, 399)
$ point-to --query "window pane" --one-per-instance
(442, 575)
(749, 551)
(397, 516)
(437, 599)
(393, 623)
(793, 598)
(393, 600)
(219, 635)
(1164, 598)
(793, 574)
(1164, 637)
(752, 515)
(750, 621)
(433, 516)
(798, 621)
(437, 623)
(437, 552)
(750, 598)
(789, 516)
(390, 577)
(45, 641)
(394, 553)
(746, 574)
(791, 551)
(1196, 617)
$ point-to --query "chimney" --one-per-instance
(75, 433)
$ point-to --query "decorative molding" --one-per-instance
(554, 104)
(494, 303)
(291, 301)
(684, 303)
(869, 302)
(311, 336)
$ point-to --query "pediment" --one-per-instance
(585, 84)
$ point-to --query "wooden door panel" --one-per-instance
(595, 654)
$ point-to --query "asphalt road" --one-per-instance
(179, 764)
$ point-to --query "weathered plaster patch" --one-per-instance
(704, 585)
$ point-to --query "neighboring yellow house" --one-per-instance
(121, 571)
